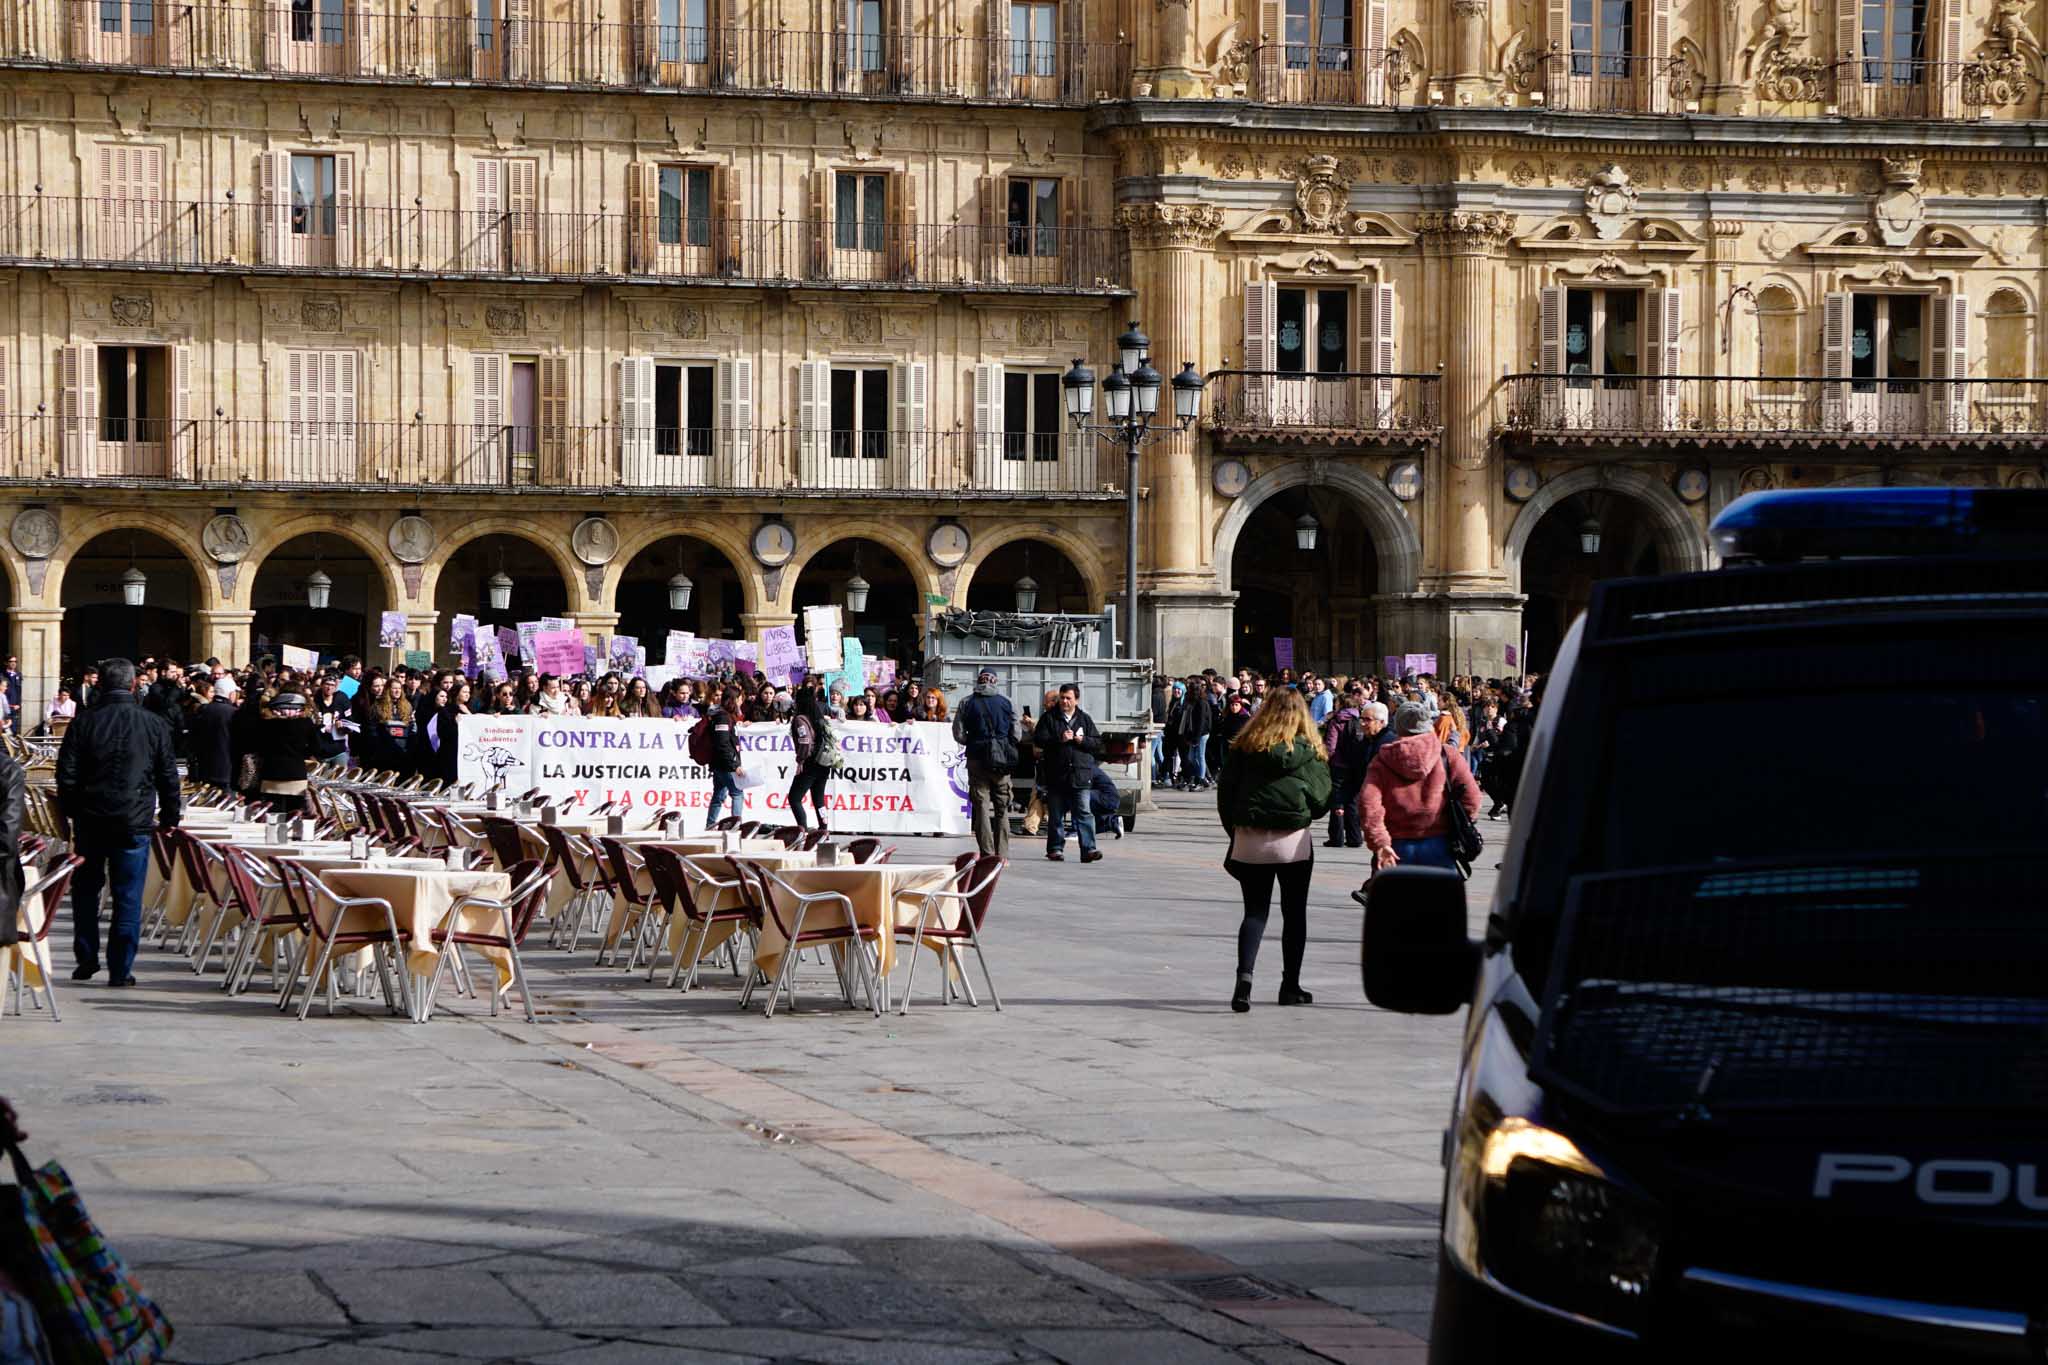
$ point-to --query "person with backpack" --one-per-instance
(810, 733)
(1405, 803)
(1354, 736)
(986, 727)
(715, 744)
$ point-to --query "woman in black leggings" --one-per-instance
(1274, 787)
(810, 731)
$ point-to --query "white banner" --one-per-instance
(892, 779)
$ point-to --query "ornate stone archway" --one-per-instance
(1078, 551)
(1679, 536)
(1394, 538)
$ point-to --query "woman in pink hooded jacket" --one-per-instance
(1402, 805)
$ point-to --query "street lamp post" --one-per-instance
(1130, 400)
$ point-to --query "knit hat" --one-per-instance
(287, 701)
(1411, 719)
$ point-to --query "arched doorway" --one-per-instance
(1580, 540)
(463, 587)
(1060, 586)
(98, 622)
(282, 598)
(1320, 598)
(888, 625)
(716, 598)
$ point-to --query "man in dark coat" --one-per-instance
(986, 727)
(1355, 735)
(212, 750)
(117, 778)
(1068, 744)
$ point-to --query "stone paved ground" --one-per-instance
(1114, 1169)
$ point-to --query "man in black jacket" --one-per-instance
(724, 721)
(212, 754)
(987, 729)
(117, 778)
(1068, 744)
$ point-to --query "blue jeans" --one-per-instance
(722, 786)
(1194, 765)
(1059, 804)
(125, 859)
(1431, 852)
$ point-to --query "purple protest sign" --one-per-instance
(623, 655)
(391, 630)
(590, 660)
(1510, 655)
(508, 645)
(1283, 651)
(1393, 663)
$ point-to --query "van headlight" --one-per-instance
(1536, 1215)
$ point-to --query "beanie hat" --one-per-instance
(1411, 719)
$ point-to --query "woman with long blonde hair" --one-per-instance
(1274, 786)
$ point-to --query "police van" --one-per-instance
(1757, 1055)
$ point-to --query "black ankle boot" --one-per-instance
(1241, 998)
(1292, 994)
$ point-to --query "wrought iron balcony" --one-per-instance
(422, 457)
(341, 42)
(1270, 407)
(1305, 73)
(241, 238)
(1773, 413)
(1788, 84)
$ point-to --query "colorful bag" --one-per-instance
(92, 1309)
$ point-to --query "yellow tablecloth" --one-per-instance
(874, 889)
(420, 898)
(720, 867)
(178, 901)
(27, 917)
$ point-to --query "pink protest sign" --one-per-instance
(558, 651)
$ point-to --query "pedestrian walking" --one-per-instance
(724, 754)
(1192, 728)
(117, 778)
(1353, 739)
(211, 759)
(1404, 805)
(986, 727)
(1274, 785)
(810, 732)
(288, 741)
(1068, 744)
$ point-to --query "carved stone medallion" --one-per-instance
(594, 541)
(1610, 202)
(226, 539)
(35, 533)
(1320, 194)
(411, 539)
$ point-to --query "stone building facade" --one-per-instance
(1495, 298)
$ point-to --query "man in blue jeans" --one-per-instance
(1068, 746)
(117, 779)
(725, 755)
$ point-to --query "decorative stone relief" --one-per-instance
(413, 575)
(1035, 329)
(38, 570)
(508, 128)
(322, 122)
(132, 310)
(1775, 241)
(1465, 231)
(686, 320)
(864, 326)
(1610, 203)
(505, 319)
(226, 538)
(2002, 76)
(595, 541)
(129, 110)
(320, 315)
(1757, 479)
(411, 539)
(34, 533)
(1155, 224)
(227, 573)
(1322, 188)
(1899, 211)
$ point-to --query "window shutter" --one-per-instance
(1378, 357)
(821, 223)
(1834, 351)
(274, 214)
(1372, 61)
(1949, 339)
(993, 210)
(276, 32)
(903, 254)
(1550, 353)
(1653, 54)
(1664, 318)
(1557, 35)
(910, 424)
(636, 420)
(725, 31)
(989, 425)
(522, 204)
(1072, 60)
(649, 31)
(82, 30)
(736, 423)
(727, 227)
(487, 201)
(1848, 54)
(78, 408)
(487, 418)
(516, 41)
(178, 451)
(998, 26)
(814, 418)
(896, 58)
(1945, 18)
(643, 201)
(1272, 29)
(344, 209)
(1261, 302)
(552, 414)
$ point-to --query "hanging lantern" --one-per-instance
(857, 593)
(1027, 594)
(1589, 537)
(679, 589)
(499, 586)
(134, 586)
(319, 587)
(1305, 528)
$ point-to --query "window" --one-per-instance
(136, 18)
(684, 217)
(1603, 37)
(1034, 218)
(1601, 335)
(863, 35)
(132, 406)
(1033, 48)
(312, 196)
(684, 31)
(861, 211)
(317, 21)
(1886, 341)
(2007, 344)
(1318, 34)
(1894, 41)
(1312, 333)
(486, 25)
(860, 414)
(683, 412)
(1031, 416)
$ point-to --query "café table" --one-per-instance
(180, 894)
(27, 915)
(878, 891)
(420, 898)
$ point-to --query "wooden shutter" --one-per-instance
(483, 242)
(127, 222)
(1945, 24)
(179, 442)
(487, 419)
(727, 227)
(1550, 353)
(1848, 54)
(997, 25)
(643, 202)
(344, 209)
(636, 420)
(821, 223)
(1557, 36)
(1662, 307)
(277, 19)
(896, 40)
(1949, 340)
(1653, 55)
(903, 243)
(993, 208)
(83, 28)
(274, 213)
(1272, 33)
(522, 206)
(551, 405)
(516, 40)
(735, 381)
(1261, 302)
(1071, 62)
(1376, 349)
(649, 32)
(725, 32)
(486, 40)
(1372, 60)
(910, 423)
(78, 408)
(1834, 353)
(989, 424)
(814, 418)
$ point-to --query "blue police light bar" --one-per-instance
(1887, 523)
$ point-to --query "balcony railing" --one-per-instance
(1325, 409)
(342, 43)
(1767, 411)
(1788, 84)
(1609, 82)
(399, 241)
(424, 456)
(1302, 73)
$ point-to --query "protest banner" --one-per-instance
(895, 779)
(1283, 651)
(822, 649)
(558, 651)
(391, 630)
(622, 654)
(291, 656)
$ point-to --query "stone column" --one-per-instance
(1177, 74)
(596, 625)
(224, 634)
(1184, 624)
(754, 624)
(35, 636)
(420, 628)
(1480, 615)
(1472, 81)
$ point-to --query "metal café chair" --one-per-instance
(642, 905)
(516, 913)
(258, 891)
(867, 850)
(681, 882)
(584, 889)
(856, 941)
(385, 941)
(48, 891)
(974, 887)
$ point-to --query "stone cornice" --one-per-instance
(1463, 231)
(1155, 224)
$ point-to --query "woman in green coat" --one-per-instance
(1275, 785)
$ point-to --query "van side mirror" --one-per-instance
(1416, 957)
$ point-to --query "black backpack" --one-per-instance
(1465, 841)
